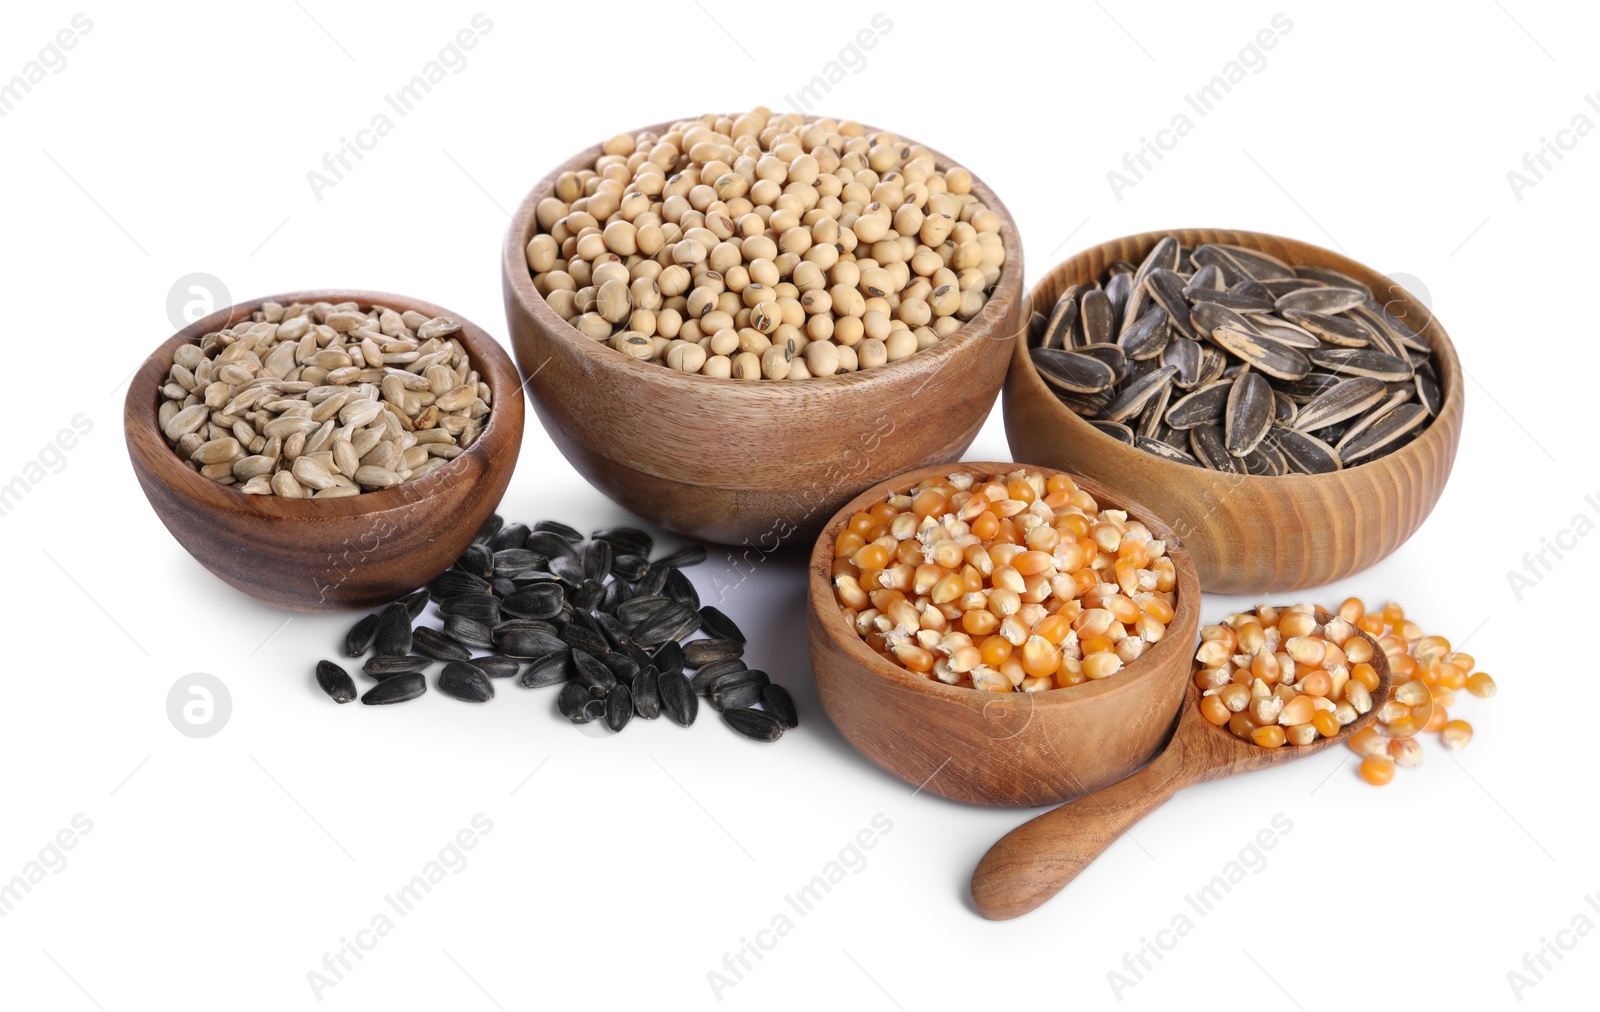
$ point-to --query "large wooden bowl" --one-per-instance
(1016, 748)
(1249, 535)
(328, 554)
(758, 463)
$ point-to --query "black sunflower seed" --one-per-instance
(551, 546)
(396, 690)
(509, 536)
(680, 589)
(616, 634)
(490, 528)
(336, 682)
(756, 725)
(416, 602)
(516, 561)
(647, 694)
(454, 583)
(581, 637)
(626, 540)
(591, 672)
(560, 530)
(670, 623)
(737, 689)
(484, 608)
(619, 708)
(538, 600)
(477, 560)
(569, 569)
(497, 665)
(617, 592)
(359, 639)
(637, 610)
(551, 669)
(698, 653)
(573, 698)
(683, 558)
(593, 710)
(669, 657)
(719, 625)
(433, 643)
(501, 586)
(678, 701)
(393, 637)
(596, 558)
(469, 632)
(711, 672)
(507, 626)
(654, 580)
(777, 701)
(589, 596)
(387, 667)
(529, 643)
(623, 667)
(629, 568)
(466, 682)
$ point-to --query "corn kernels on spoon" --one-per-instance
(1036, 860)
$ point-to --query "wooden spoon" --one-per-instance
(1036, 860)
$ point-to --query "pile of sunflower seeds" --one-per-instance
(615, 630)
(323, 400)
(1228, 358)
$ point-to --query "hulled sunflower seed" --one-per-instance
(336, 682)
(757, 725)
(465, 681)
(398, 689)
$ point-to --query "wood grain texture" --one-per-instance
(1036, 860)
(1019, 748)
(757, 463)
(1249, 535)
(328, 554)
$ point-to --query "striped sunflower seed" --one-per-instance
(1305, 453)
(1072, 371)
(1248, 414)
(1345, 400)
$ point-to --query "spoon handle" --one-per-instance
(1036, 860)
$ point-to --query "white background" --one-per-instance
(219, 871)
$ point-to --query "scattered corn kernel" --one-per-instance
(1377, 770)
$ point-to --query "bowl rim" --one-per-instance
(1008, 289)
(824, 607)
(161, 460)
(1444, 355)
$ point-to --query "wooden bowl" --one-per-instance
(1249, 535)
(1018, 748)
(328, 554)
(757, 463)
